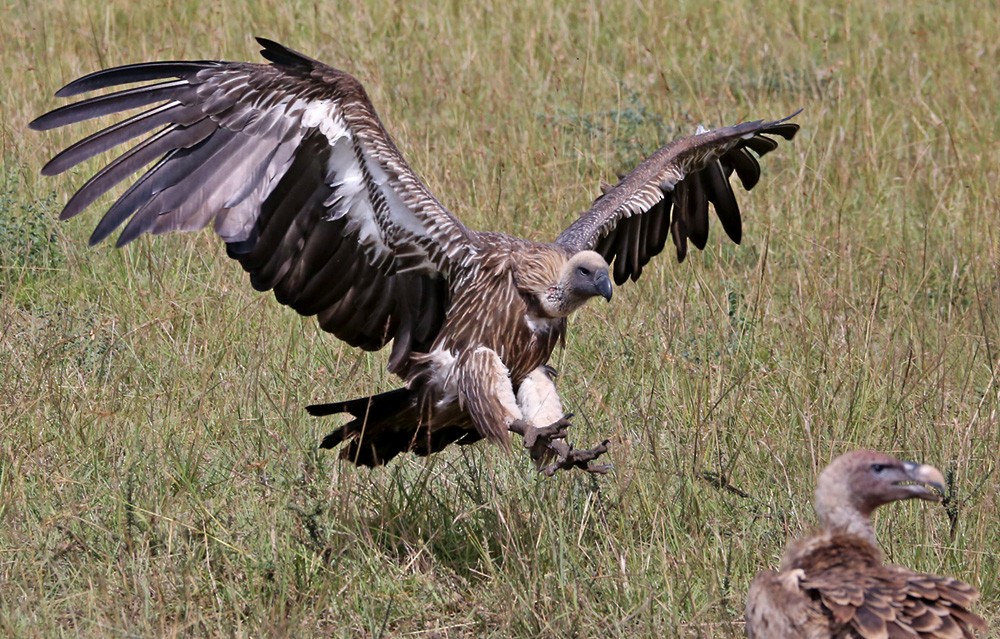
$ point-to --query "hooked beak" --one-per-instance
(603, 284)
(921, 478)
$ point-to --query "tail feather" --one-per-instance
(390, 423)
(377, 407)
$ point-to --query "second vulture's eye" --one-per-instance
(877, 468)
(583, 270)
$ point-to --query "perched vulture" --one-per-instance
(834, 584)
(292, 167)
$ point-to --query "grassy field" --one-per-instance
(159, 476)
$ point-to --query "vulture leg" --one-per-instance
(485, 389)
(543, 426)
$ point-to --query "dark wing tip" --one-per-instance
(783, 127)
(74, 87)
(133, 73)
(39, 124)
(268, 44)
(50, 168)
(96, 238)
(280, 54)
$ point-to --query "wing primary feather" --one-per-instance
(663, 226)
(108, 104)
(697, 214)
(140, 191)
(622, 251)
(656, 224)
(132, 161)
(159, 196)
(746, 165)
(258, 176)
(170, 113)
(634, 242)
(207, 180)
(761, 144)
(133, 73)
(659, 227)
(646, 222)
(607, 246)
(679, 232)
(720, 194)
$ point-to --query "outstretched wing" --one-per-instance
(292, 166)
(630, 222)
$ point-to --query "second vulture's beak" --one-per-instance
(922, 476)
(603, 284)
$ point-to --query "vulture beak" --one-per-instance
(921, 478)
(603, 284)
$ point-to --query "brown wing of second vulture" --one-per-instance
(291, 166)
(835, 586)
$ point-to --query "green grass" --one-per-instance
(159, 476)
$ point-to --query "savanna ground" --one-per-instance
(159, 476)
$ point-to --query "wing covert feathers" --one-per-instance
(841, 589)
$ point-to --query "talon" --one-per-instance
(546, 442)
(581, 459)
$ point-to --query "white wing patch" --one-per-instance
(324, 115)
(398, 215)
(355, 184)
(348, 179)
(351, 198)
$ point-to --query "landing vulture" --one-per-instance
(292, 167)
(834, 584)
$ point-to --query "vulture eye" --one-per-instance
(878, 468)
(583, 270)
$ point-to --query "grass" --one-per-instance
(159, 476)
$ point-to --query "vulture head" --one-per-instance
(856, 483)
(583, 276)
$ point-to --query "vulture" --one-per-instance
(293, 169)
(834, 585)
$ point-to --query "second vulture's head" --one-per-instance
(857, 483)
(583, 276)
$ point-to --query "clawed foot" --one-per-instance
(578, 458)
(546, 443)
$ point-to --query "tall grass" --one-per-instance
(159, 476)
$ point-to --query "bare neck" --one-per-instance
(847, 520)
